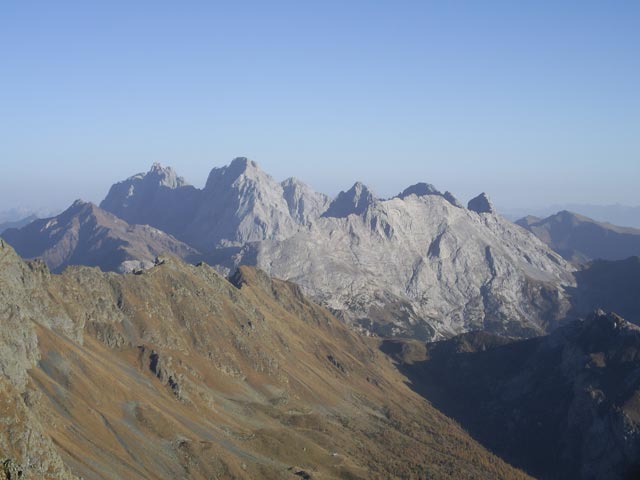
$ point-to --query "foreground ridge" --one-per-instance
(177, 373)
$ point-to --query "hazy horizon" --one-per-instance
(535, 104)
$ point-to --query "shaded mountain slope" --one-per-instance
(562, 406)
(611, 286)
(87, 235)
(177, 373)
(159, 198)
(580, 239)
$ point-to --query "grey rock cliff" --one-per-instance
(419, 264)
(423, 267)
(240, 203)
(356, 201)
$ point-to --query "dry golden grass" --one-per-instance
(179, 374)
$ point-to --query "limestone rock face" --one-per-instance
(422, 267)
(240, 203)
(304, 203)
(159, 198)
(418, 264)
(356, 201)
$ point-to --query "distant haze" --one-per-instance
(535, 103)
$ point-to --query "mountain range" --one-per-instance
(419, 264)
(624, 215)
(259, 329)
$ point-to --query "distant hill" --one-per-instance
(625, 215)
(87, 235)
(580, 239)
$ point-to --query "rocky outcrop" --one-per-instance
(305, 205)
(419, 189)
(481, 204)
(87, 235)
(354, 201)
(422, 189)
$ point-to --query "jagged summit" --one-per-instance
(239, 167)
(161, 176)
(481, 204)
(419, 189)
(356, 201)
(304, 203)
(423, 189)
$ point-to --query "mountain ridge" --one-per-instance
(177, 373)
(87, 235)
(581, 239)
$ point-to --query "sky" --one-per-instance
(533, 102)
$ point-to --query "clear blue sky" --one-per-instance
(535, 102)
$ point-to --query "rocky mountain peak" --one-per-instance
(422, 189)
(419, 189)
(356, 200)
(304, 203)
(126, 198)
(481, 204)
(162, 177)
(240, 167)
(81, 209)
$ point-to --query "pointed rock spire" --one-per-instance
(481, 204)
(354, 201)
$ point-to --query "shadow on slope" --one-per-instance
(565, 405)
